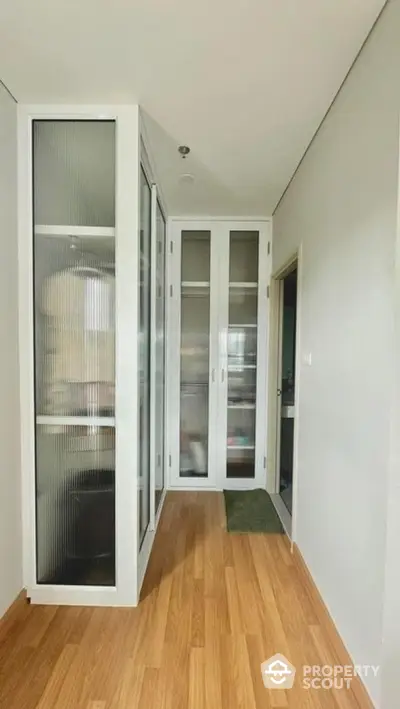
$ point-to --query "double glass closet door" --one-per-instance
(221, 318)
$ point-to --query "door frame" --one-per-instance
(274, 402)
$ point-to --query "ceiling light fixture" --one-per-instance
(184, 150)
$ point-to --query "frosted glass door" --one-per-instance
(195, 353)
(144, 356)
(160, 356)
(242, 354)
(74, 308)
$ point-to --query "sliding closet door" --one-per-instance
(74, 322)
(144, 356)
(152, 374)
(159, 458)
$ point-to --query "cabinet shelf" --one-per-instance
(100, 421)
(81, 232)
(195, 289)
(238, 447)
(250, 285)
(242, 406)
(188, 385)
(245, 325)
(239, 367)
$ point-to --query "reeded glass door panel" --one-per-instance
(74, 172)
(74, 325)
(144, 355)
(74, 290)
(195, 353)
(242, 354)
(75, 505)
(160, 357)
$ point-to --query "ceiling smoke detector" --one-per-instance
(184, 150)
(186, 178)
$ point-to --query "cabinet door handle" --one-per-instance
(222, 375)
(213, 375)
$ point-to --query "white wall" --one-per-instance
(10, 477)
(341, 207)
(391, 620)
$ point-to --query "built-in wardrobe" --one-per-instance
(92, 249)
(217, 339)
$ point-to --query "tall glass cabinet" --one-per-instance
(92, 242)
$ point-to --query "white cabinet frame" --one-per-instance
(126, 590)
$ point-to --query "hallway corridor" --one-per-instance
(214, 606)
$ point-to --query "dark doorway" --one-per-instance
(287, 389)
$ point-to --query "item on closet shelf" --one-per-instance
(185, 461)
(93, 399)
(185, 464)
(238, 438)
(242, 397)
(199, 456)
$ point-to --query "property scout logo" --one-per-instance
(279, 673)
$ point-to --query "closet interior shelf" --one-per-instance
(186, 385)
(99, 421)
(83, 232)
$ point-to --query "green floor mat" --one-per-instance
(251, 511)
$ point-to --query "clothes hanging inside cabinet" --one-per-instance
(79, 305)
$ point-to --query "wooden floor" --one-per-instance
(214, 606)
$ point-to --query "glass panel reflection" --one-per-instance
(160, 357)
(195, 353)
(242, 354)
(144, 356)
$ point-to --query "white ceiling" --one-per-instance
(244, 83)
